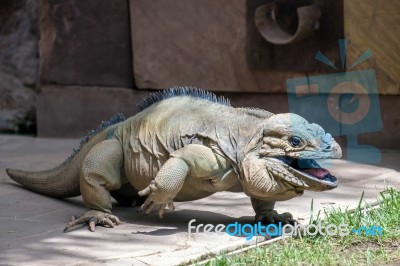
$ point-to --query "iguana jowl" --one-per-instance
(187, 144)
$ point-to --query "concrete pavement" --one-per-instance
(31, 225)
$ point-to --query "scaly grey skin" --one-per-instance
(187, 144)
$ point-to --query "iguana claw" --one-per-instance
(273, 217)
(93, 218)
(154, 199)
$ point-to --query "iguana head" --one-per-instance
(284, 166)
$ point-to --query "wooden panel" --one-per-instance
(374, 25)
(199, 43)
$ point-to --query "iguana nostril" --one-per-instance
(327, 138)
(329, 147)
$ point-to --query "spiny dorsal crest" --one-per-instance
(181, 91)
(103, 125)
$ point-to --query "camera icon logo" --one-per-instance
(345, 88)
(343, 103)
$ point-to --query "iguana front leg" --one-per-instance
(266, 214)
(198, 160)
(165, 187)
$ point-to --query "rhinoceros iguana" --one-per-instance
(186, 144)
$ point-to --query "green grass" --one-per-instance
(335, 250)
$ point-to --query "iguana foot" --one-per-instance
(155, 199)
(93, 218)
(273, 217)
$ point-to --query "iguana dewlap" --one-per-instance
(187, 144)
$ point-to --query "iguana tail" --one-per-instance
(63, 181)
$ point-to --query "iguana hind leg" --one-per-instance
(266, 214)
(100, 174)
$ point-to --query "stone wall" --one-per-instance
(19, 60)
(85, 66)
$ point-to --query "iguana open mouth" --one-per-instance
(309, 170)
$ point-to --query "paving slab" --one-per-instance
(31, 225)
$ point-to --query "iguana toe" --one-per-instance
(273, 217)
(154, 199)
(93, 218)
(149, 205)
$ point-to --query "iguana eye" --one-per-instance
(295, 141)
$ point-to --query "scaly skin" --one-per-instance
(184, 148)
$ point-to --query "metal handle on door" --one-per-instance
(267, 22)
